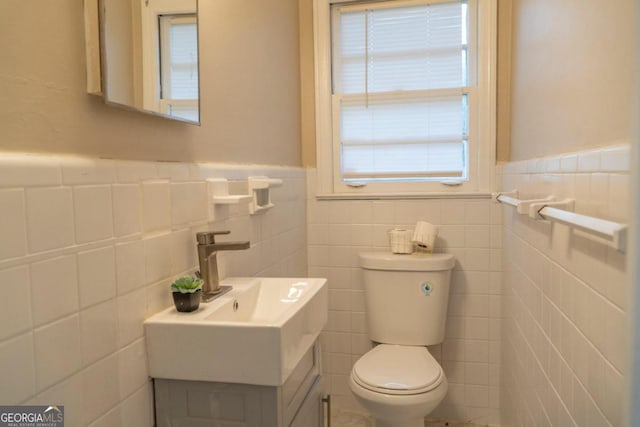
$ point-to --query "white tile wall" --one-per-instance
(88, 249)
(96, 275)
(49, 218)
(12, 226)
(15, 312)
(54, 289)
(338, 230)
(93, 212)
(565, 340)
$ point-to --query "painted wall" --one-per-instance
(572, 75)
(88, 249)
(250, 96)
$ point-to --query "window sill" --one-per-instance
(402, 196)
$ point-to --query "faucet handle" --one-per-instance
(209, 237)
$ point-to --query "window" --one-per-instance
(179, 66)
(405, 101)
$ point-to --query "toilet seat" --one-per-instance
(398, 370)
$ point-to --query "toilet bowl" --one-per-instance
(398, 384)
(406, 296)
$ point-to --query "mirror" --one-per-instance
(149, 56)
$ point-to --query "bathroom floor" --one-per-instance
(341, 418)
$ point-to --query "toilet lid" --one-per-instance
(398, 369)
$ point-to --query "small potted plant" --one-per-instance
(186, 293)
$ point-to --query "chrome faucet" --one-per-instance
(207, 251)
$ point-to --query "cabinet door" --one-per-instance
(311, 413)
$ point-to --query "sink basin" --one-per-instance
(254, 334)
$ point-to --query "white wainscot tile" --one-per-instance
(476, 395)
(454, 327)
(339, 212)
(453, 350)
(450, 236)
(99, 327)
(58, 352)
(54, 289)
(614, 396)
(476, 351)
(25, 170)
(476, 373)
(477, 259)
(615, 159)
(569, 163)
(188, 202)
(133, 172)
(619, 197)
(156, 209)
(184, 251)
(380, 237)
(599, 195)
(477, 236)
(173, 171)
(130, 266)
(12, 227)
(158, 297)
(132, 309)
(157, 255)
(340, 234)
(110, 419)
(49, 218)
(137, 410)
(97, 276)
(100, 388)
(67, 393)
(362, 212)
(477, 305)
(15, 312)
(132, 361)
(454, 371)
(617, 346)
(383, 212)
(477, 212)
(126, 209)
(318, 256)
(339, 278)
(589, 161)
(17, 369)
(477, 328)
(318, 234)
(453, 212)
(93, 213)
(339, 299)
(87, 171)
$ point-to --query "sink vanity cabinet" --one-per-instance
(249, 358)
(296, 403)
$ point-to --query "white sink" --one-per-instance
(275, 322)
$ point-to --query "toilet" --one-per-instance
(398, 381)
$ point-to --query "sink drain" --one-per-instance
(235, 305)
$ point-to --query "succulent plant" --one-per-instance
(187, 285)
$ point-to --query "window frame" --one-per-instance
(482, 113)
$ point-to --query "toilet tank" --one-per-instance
(406, 296)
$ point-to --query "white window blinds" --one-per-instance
(400, 74)
(179, 59)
